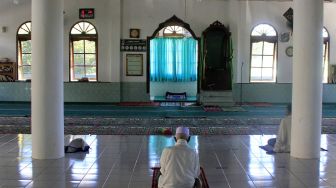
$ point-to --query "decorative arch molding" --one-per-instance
(174, 21)
(217, 26)
(83, 30)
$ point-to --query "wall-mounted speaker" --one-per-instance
(4, 29)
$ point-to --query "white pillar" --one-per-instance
(307, 79)
(47, 79)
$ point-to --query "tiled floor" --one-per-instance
(125, 161)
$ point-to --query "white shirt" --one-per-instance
(179, 166)
(283, 138)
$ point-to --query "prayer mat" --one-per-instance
(171, 103)
(156, 174)
(139, 104)
(260, 104)
(269, 149)
(210, 108)
(233, 109)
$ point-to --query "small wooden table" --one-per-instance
(7, 71)
(180, 102)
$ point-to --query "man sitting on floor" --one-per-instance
(179, 164)
(282, 142)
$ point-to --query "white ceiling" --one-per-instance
(8, 3)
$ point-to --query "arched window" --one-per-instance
(175, 31)
(24, 50)
(325, 67)
(263, 53)
(83, 52)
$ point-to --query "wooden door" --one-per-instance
(217, 55)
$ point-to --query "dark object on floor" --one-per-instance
(157, 173)
(166, 131)
(77, 145)
(269, 148)
(322, 149)
(212, 108)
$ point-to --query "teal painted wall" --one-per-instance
(136, 91)
(15, 91)
(263, 92)
(92, 92)
(275, 93)
(73, 92)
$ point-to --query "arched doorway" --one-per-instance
(216, 58)
(172, 59)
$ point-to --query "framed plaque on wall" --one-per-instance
(133, 45)
(134, 64)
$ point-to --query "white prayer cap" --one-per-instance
(182, 130)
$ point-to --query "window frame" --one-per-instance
(19, 39)
(326, 55)
(174, 31)
(264, 38)
(82, 37)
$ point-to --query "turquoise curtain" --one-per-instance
(173, 59)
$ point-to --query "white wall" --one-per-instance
(253, 13)
(12, 16)
(107, 22)
(114, 18)
(148, 14)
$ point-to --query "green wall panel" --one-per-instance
(134, 91)
(111, 92)
(262, 92)
(91, 92)
(15, 91)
